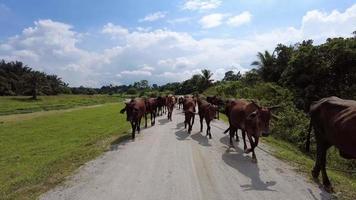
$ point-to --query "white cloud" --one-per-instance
(153, 16)
(115, 30)
(201, 4)
(158, 55)
(136, 73)
(212, 20)
(238, 20)
(179, 20)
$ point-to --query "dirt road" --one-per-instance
(164, 162)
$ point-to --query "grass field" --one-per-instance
(21, 104)
(344, 183)
(38, 152)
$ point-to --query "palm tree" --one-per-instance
(206, 75)
(206, 78)
(265, 63)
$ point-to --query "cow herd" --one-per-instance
(333, 120)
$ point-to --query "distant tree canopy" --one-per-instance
(18, 79)
(312, 71)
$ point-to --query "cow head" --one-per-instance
(131, 111)
(261, 119)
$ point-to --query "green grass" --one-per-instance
(38, 153)
(343, 183)
(22, 104)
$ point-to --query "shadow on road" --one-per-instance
(180, 125)
(120, 141)
(202, 140)
(244, 165)
(163, 121)
(182, 134)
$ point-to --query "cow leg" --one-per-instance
(320, 165)
(201, 122)
(133, 125)
(232, 133)
(138, 125)
(217, 114)
(237, 136)
(244, 138)
(208, 128)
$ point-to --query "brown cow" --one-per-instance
(135, 110)
(251, 119)
(180, 102)
(161, 105)
(215, 101)
(189, 113)
(170, 101)
(228, 105)
(206, 111)
(334, 123)
(151, 107)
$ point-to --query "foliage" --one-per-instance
(18, 79)
(230, 76)
(311, 71)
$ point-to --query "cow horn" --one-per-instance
(275, 117)
(274, 107)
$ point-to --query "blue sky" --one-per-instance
(113, 41)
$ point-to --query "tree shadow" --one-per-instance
(182, 134)
(25, 99)
(202, 140)
(244, 165)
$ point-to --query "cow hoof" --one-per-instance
(329, 188)
(247, 151)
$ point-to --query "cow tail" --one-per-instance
(307, 144)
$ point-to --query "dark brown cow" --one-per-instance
(228, 105)
(170, 101)
(151, 108)
(334, 123)
(189, 113)
(215, 101)
(180, 102)
(135, 110)
(161, 105)
(206, 111)
(251, 119)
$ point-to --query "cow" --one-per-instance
(170, 101)
(206, 111)
(189, 113)
(151, 108)
(135, 110)
(161, 105)
(215, 101)
(228, 105)
(180, 102)
(253, 120)
(334, 123)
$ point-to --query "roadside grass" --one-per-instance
(23, 104)
(344, 183)
(36, 154)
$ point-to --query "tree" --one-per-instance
(265, 64)
(230, 76)
(206, 80)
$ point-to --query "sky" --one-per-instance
(94, 43)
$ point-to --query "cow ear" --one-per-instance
(258, 106)
(252, 115)
(123, 110)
